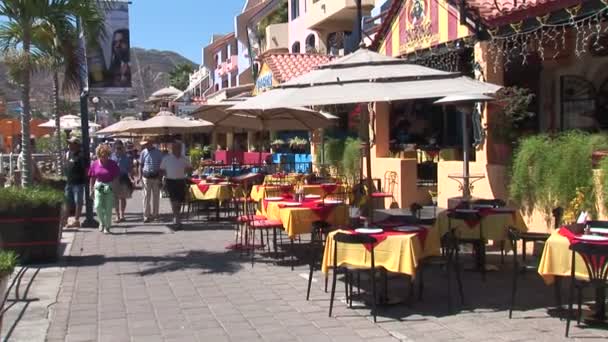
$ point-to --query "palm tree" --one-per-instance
(35, 30)
(179, 77)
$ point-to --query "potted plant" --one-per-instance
(276, 144)
(8, 261)
(298, 144)
(31, 222)
(508, 121)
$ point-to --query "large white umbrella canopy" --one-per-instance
(67, 122)
(167, 93)
(120, 126)
(167, 123)
(366, 76)
(297, 118)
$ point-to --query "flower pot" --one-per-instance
(597, 156)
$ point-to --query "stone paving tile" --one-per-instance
(146, 283)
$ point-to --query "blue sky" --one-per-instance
(183, 26)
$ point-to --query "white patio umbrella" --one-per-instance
(167, 123)
(297, 118)
(67, 122)
(365, 76)
(120, 126)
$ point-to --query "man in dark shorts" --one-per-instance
(175, 168)
(76, 174)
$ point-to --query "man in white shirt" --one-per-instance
(174, 168)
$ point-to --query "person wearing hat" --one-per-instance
(76, 179)
(149, 166)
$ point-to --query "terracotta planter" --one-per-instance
(597, 156)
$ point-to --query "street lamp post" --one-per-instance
(95, 101)
(89, 221)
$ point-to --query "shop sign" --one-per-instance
(264, 81)
(419, 31)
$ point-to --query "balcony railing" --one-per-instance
(334, 15)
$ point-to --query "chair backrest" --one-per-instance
(595, 257)
(495, 202)
(464, 214)
(390, 180)
(558, 214)
(354, 239)
(343, 193)
(449, 244)
(597, 224)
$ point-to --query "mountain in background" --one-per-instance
(150, 71)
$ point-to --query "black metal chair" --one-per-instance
(479, 244)
(320, 229)
(450, 259)
(495, 202)
(357, 239)
(595, 257)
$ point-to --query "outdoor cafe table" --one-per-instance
(397, 252)
(298, 220)
(495, 223)
(291, 178)
(218, 193)
(556, 262)
(258, 192)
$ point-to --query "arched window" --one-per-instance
(295, 48)
(310, 43)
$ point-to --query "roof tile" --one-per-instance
(286, 66)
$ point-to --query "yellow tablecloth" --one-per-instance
(557, 260)
(494, 226)
(397, 253)
(221, 192)
(299, 220)
(258, 192)
(291, 179)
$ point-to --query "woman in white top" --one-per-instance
(175, 167)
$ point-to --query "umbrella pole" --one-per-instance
(364, 133)
(466, 191)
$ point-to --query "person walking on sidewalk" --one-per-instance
(102, 174)
(149, 164)
(76, 176)
(175, 168)
(124, 185)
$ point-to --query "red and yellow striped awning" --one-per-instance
(422, 24)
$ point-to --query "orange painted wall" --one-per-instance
(12, 128)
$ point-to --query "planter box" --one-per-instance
(33, 233)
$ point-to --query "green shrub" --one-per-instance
(351, 159)
(334, 152)
(548, 171)
(32, 197)
(8, 261)
(196, 153)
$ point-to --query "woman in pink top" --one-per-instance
(102, 173)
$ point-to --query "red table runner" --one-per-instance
(329, 188)
(422, 234)
(575, 238)
(203, 187)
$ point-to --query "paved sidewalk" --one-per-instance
(146, 283)
(32, 291)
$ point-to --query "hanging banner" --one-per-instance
(109, 64)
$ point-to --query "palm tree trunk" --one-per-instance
(57, 123)
(26, 175)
